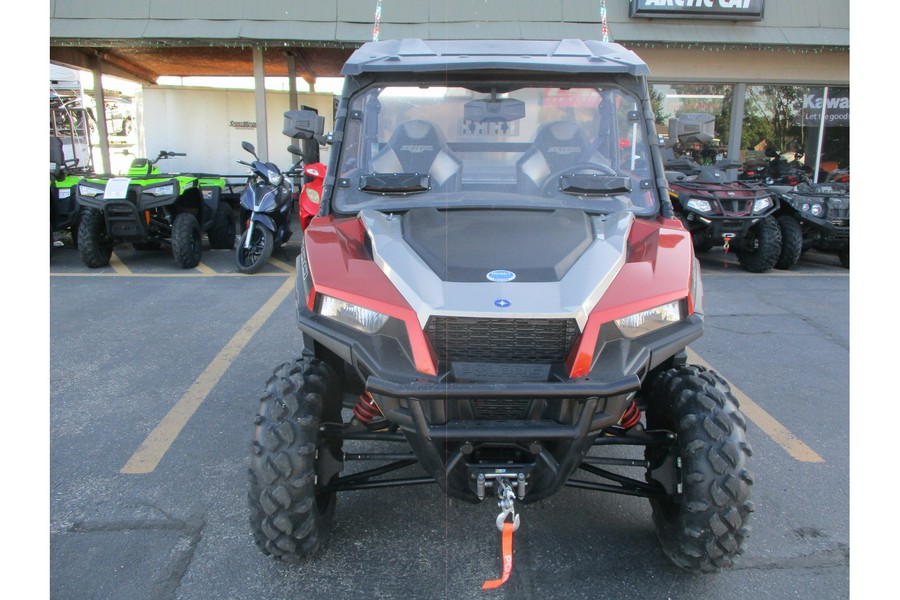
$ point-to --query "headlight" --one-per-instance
(817, 210)
(805, 207)
(700, 205)
(88, 191)
(357, 317)
(164, 190)
(275, 178)
(650, 320)
(64, 193)
(313, 195)
(762, 204)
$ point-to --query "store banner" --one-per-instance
(837, 108)
(730, 10)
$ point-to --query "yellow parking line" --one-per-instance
(151, 451)
(118, 266)
(204, 269)
(281, 264)
(770, 426)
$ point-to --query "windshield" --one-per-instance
(579, 147)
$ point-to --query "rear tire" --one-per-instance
(221, 234)
(290, 512)
(703, 528)
(187, 243)
(791, 242)
(761, 249)
(251, 260)
(95, 245)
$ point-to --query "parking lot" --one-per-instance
(155, 374)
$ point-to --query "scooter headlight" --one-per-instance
(699, 205)
(646, 321)
(357, 317)
(275, 178)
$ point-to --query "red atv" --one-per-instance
(500, 294)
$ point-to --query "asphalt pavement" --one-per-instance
(155, 375)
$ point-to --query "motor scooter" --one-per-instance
(265, 213)
(310, 194)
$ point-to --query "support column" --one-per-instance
(292, 80)
(100, 113)
(736, 127)
(262, 129)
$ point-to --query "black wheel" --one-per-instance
(94, 243)
(291, 461)
(702, 522)
(791, 242)
(844, 257)
(761, 248)
(251, 260)
(221, 234)
(147, 246)
(187, 245)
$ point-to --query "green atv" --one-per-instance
(64, 176)
(147, 207)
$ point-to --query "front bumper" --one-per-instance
(541, 430)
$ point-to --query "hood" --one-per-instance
(499, 263)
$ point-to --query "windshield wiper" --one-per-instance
(592, 184)
(394, 183)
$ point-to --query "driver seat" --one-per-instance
(557, 145)
(418, 146)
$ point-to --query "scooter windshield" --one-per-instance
(535, 147)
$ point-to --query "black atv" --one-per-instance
(148, 207)
(814, 216)
(503, 298)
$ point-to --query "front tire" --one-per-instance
(703, 528)
(762, 247)
(791, 242)
(187, 244)
(290, 511)
(95, 245)
(251, 260)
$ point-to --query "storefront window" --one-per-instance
(670, 101)
(786, 119)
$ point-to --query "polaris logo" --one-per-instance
(501, 275)
(500, 372)
(416, 148)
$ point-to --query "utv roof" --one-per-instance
(567, 56)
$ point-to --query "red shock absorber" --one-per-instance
(366, 410)
(631, 416)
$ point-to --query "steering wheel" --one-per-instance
(553, 178)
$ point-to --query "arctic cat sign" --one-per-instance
(699, 9)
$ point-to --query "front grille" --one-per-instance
(736, 208)
(485, 340)
(501, 409)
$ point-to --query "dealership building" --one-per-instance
(775, 74)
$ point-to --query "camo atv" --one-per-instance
(497, 286)
(147, 208)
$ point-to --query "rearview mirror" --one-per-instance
(499, 110)
(249, 148)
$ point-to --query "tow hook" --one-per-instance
(727, 237)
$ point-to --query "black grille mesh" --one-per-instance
(529, 341)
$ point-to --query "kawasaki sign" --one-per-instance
(699, 9)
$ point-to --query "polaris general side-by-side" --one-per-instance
(498, 291)
(148, 207)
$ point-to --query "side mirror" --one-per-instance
(295, 150)
(249, 148)
(303, 124)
